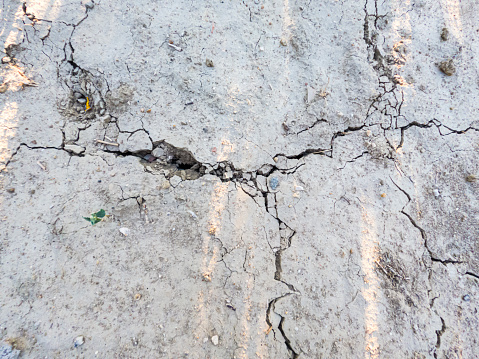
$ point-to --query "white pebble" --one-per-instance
(79, 341)
(125, 231)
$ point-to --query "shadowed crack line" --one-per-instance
(439, 333)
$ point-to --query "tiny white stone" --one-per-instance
(193, 214)
(79, 341)
(125, 231)
(215, 340)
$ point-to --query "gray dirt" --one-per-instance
(281, 179)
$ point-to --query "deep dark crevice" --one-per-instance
(439, 333)
(294, 355)
(179, 161)
(269, 311)
(277, 273)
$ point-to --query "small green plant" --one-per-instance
(96, 217)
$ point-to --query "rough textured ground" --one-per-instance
(295, 179)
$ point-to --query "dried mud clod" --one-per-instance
(444, 34)
(447, 67)
(471, 178)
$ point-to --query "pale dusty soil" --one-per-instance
(296, 179)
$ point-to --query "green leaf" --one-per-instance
(96, 217)
(95, 220)
(100, 214)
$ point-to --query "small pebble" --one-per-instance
(6, 60)
(10, 190)
(150, 158)
(3, 88)
(82, 100)
(283, 42)
(274, 182)
(436, 192)
(125, 231)
(137, 296)
(209, 63)
(466, 298)
(215, 339)
(79, 341)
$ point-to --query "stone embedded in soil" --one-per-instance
(75, 149)
(136, 142)
(79, 341)
(158, 152)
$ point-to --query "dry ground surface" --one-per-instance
(281, 179)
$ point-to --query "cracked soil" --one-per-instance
(292, 179)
